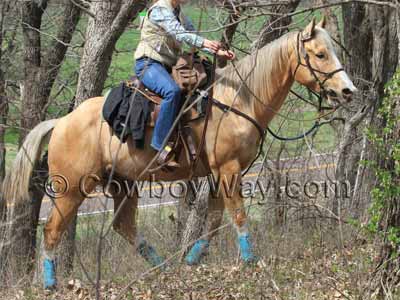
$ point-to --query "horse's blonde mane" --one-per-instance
(257, 70)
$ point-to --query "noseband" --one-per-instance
(301, 52)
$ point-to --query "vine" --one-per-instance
(387, 166)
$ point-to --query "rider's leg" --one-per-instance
(156, 78)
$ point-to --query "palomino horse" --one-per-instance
(81, 143)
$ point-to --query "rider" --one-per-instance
(164, 28)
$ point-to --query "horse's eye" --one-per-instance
(320, 55)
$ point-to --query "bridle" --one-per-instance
(302, 53)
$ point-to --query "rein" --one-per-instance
(301, 52)
(262, 132)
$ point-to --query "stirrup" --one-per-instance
(166, 160)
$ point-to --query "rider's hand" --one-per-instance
(227, 54)
(214, 46)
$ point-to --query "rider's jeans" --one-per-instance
(156, 78)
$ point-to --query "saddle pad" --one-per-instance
(123, 108)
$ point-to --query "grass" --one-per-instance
(301, 261)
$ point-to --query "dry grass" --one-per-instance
(301, 260)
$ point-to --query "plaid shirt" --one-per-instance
(169, 21)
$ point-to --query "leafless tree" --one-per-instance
(371, 38)
(277, 24)
(4, 7)
(41, 65)
(102, 33)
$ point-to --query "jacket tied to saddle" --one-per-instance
(156, 43)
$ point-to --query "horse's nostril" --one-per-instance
(347, 92)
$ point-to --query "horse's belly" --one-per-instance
(134, 164)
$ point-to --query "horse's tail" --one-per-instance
(15, 186)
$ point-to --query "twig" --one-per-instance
(85, 9)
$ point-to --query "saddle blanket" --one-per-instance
(124, 108)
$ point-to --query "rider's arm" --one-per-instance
(167, 20)
(190, 27)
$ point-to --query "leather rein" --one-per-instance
(301, 52)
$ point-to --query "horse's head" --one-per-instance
(317, 67)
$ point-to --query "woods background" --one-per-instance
(55, 54)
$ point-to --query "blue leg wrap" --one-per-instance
(197, 251)
(246, 249)
(49, 273)
(150, 254)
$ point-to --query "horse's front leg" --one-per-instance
(229, 180)
(228, 196)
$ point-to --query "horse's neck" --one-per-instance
(273, 86)
(270, 103)
(268, 83)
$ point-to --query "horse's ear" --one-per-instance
(322, 23)
(308, 32)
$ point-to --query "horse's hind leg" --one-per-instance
(125, 209)
(230, 198)
(64, 210)
(215, 212)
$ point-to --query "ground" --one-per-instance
(289, 271)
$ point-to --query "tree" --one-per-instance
(4, 7)
(42, 61)
(102, 33)
(371, 39)
(277, 24)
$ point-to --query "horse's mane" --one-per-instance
(258, 69)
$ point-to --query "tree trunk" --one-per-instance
(18, 249)
(41, 67)
(192, 216)
(4, 6)
(66, 250)
(332, 26)
(102, 33)
(370, 33)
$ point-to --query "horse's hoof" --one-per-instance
(246, 250)
(50, 289)
(251, 260)
(151, 256)
(49, 272)
(198, 250)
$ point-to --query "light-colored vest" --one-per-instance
(155, 43)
